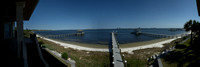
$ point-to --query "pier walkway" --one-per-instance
(117, 59)
(64, 35)
(163, 35)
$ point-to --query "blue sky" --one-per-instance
(98, 14)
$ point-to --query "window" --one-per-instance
(7, 30)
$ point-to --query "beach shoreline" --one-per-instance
(67, 45)
(105, 49)
(152, 45)
(83, 44)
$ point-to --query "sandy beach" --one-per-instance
(158, 44)
(124, 49)
(67, 45)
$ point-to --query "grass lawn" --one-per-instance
(181, 56)
(82, 58)
(166, 64)
(187, 43)
(175, 64)
(135, 62)
(101, 59)
(139, 58)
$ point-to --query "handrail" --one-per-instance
(24, 54)
(40, 53)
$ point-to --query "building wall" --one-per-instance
(7, 30)
(2, 31)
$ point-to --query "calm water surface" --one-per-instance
(103, 36)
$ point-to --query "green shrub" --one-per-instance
(181, 46)
(64, 55)
(41, 42)
(185, 37)
(43, 46)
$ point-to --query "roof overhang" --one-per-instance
(198, 6)
(8, 9)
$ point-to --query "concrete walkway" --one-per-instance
(117, 61)
(159, 62)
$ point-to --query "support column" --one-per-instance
(11, 30)
(19, 20)
(13, 26)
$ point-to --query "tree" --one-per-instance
(193, 26)
(188, 27)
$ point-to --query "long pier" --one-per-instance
(63, 35)
(117, 58)
(163, 35)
